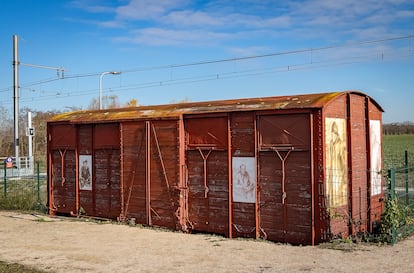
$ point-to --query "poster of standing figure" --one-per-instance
(85, 172)
(336, 161)
(376, 159)
(244, 179)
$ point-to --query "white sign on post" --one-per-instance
(30, 131)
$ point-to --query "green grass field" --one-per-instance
(394, 147)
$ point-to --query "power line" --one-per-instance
(221, 76)
(211, 76)
(268, 55)
(205, 62)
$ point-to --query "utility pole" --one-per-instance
(100, 84)
(16, 98)
(16, 64)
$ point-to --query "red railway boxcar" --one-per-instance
(296, 169)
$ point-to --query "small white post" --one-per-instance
(29, 135)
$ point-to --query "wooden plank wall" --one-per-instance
(164, 168)
(243, 145)
(376, 202)
(285, 138)
(358, 186)
(208, 180)
(338, 216)
(63, 181)
(134, 171)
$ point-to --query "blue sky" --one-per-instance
(171, 50)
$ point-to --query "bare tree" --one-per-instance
(181, 100)
(132, 103)
(108, 102)
(6, 133)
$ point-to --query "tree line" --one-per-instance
(39, 120)
(399, 128)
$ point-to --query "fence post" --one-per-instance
(5, 180)
(38, 181)
(391, 175)
(406, 178)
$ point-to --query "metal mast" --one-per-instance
(16, 97)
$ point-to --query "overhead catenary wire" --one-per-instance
(204, 78)
(206, 62)
(211, 77)
(312, 64)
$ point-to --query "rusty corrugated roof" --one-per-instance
(176, 110)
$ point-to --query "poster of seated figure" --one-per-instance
(244, 179)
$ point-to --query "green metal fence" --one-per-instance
(27, 192)
(400, 203)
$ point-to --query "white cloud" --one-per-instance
(253, 21)
(372, 33)
(160, 36)
(91, 6)
(249, 51)
(187, 18)
(111, 24)
(405, 14)
(325, 21)
(147, 9)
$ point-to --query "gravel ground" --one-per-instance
(69, 245)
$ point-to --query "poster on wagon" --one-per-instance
(336, 161)
(85, 172)
(244, 179)
(375, 143)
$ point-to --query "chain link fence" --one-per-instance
(28, 192)
(399, 211)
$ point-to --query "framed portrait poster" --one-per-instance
(336, 161)
(85, 172)
(376, 159)
(244, 179)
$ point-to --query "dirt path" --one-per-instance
(58, 245)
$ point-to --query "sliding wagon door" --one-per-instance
(285, 183)
(150, 172)
(163, 173)
(107, 170)
(62, 169)
(207, 165)
(134, 158)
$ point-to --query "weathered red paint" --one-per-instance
(171, 166)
